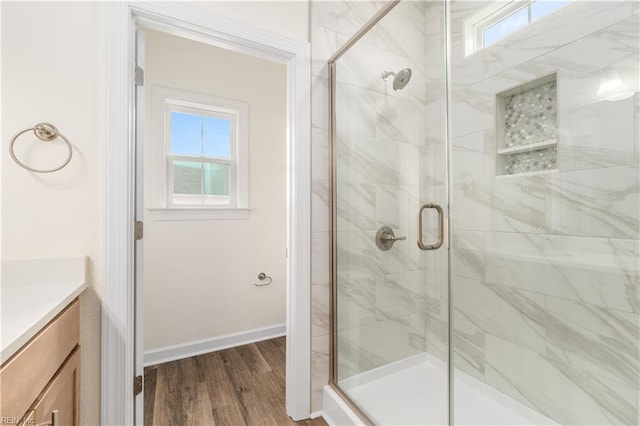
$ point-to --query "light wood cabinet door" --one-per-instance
(24, 376)
(61, 396)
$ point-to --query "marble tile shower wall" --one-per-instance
(381, 139)
(329, 20)
(546, 268)
(386, 149)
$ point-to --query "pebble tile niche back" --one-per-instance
(527, 128)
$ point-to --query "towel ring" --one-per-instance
(47, 133)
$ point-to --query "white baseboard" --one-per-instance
(315, 414)
(199, 347)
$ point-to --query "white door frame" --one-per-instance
(118, 313)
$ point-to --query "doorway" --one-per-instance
(119, 314)
(201, 272)
(214, 209)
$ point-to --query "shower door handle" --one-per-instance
(438, 243)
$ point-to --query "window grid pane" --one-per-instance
(201, 182)
(187, 177)
(216, 179)
(217, 137)
(186, 133)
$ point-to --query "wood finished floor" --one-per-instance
(232, 387)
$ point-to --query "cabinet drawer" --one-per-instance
(25, 375)
(61, 396)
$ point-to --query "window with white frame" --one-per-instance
(201, 146)
(503, 18)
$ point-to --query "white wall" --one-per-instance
(200, 275)
(287, 18)
(52, 70)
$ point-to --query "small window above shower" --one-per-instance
(527, 128)
(502, 18)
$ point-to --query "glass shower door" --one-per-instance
(545, 212)
(390, 282)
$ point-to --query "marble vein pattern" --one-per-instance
(324, 43)
(467, 254)
(575, 397)
(599, 202)
(356, 302)
(545, 269)
(475, 155)
(598, 271)
(389, 144)
(319, 368)
(320, 318)
(373, 345)
(469, 341)
(598, 135)
(581, 71)
(519, 205)
(343, 17)
(509, 313)
(599, 341)
(437, 332)
(328, 21)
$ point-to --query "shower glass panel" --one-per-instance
(545, 215)
(390, 297)
(530, 143)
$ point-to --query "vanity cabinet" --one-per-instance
(40, 384)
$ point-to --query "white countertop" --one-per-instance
(32, 293)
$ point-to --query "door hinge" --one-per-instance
(137, 385)
(139, 78)
(139, 230)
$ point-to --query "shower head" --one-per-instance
(400, 79)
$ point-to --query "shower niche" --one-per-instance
(527, 128)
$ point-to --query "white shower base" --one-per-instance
(413, 391)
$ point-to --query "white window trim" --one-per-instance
(475, 24)
(198, 213)
(165, 99)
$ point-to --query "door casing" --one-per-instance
(118, 295)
